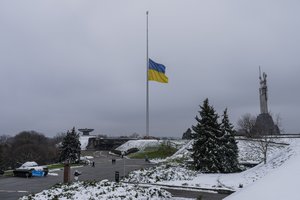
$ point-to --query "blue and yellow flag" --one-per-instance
(156, 72)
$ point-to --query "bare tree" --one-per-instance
(262, 141)
(246, 124)
(58, 138)
(262, 144)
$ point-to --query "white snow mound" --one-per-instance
(140, 144)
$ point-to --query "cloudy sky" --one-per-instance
(82, 63)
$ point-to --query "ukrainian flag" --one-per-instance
(156, 72)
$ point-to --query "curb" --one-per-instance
(219, 191)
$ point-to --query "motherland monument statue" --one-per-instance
(263, 94)
(264, 124)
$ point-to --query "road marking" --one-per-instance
(14, 191)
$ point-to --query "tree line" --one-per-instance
(27, 146)
(34, 146)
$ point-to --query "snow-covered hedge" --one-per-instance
(102, 190)
(160, 173)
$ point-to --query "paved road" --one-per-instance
(11, 188)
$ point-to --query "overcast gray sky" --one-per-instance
(82, 63)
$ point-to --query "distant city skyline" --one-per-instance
(83, 63)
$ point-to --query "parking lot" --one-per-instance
(12, 188)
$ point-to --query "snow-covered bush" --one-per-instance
(102, 190)
(165, 172)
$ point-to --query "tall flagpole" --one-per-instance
(147, 76)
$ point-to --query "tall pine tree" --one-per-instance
(70, 148)
(206, 152)
(229, 148)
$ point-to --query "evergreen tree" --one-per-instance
(228, 147)
(70, 148)
(206, 149)
(187, 135)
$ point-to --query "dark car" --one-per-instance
(29, 169)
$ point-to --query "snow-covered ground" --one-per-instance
(249, 151)
(163, 175)
(235, 180)
(280, 183)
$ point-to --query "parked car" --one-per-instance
(85, 160)
(29, 169)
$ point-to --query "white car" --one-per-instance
(86, 159)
